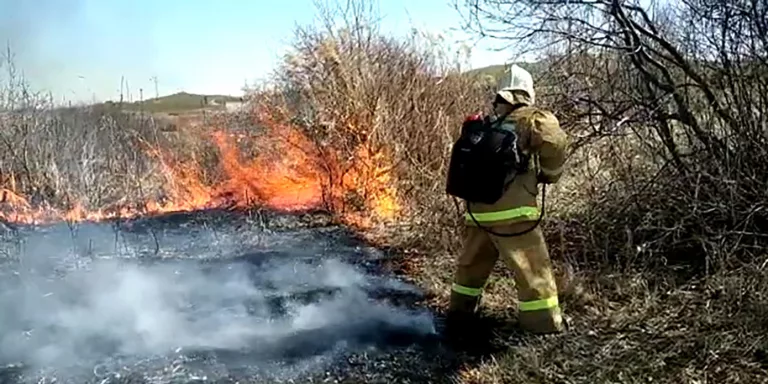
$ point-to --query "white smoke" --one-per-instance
(95, 310)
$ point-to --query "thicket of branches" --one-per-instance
(668, 105)
(390, 105)
(94, 157)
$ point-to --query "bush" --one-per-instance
(667, 104)
(89, 161)
(382, 113)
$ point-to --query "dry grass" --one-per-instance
(89, 158)
(79, 155)
(634, 330)
(108, 157)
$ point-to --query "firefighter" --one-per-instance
(540, 136)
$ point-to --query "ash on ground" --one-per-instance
(207, 297)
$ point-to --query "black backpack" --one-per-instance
(484, 160)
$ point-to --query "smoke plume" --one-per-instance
(75, 299)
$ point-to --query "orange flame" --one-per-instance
(288, 174)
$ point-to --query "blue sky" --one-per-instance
(78, 49)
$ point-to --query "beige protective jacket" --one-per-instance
(539, 134)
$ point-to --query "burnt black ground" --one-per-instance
(209, 297)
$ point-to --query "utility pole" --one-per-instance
(157, 93)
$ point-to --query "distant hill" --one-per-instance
(495, 72)
(188, 102)
(179, 102)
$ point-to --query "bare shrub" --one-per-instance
(392, 106)
(86, 157)
(673, 97)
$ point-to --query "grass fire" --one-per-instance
(288, 174)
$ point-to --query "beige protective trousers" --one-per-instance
(527, 256)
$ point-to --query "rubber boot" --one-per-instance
(461, 321)
(460, 328)
(542, 322)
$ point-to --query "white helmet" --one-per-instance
(516, 79)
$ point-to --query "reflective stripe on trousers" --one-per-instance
(536, 305)
(508, 214)
(466, 291)
(525, 306)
